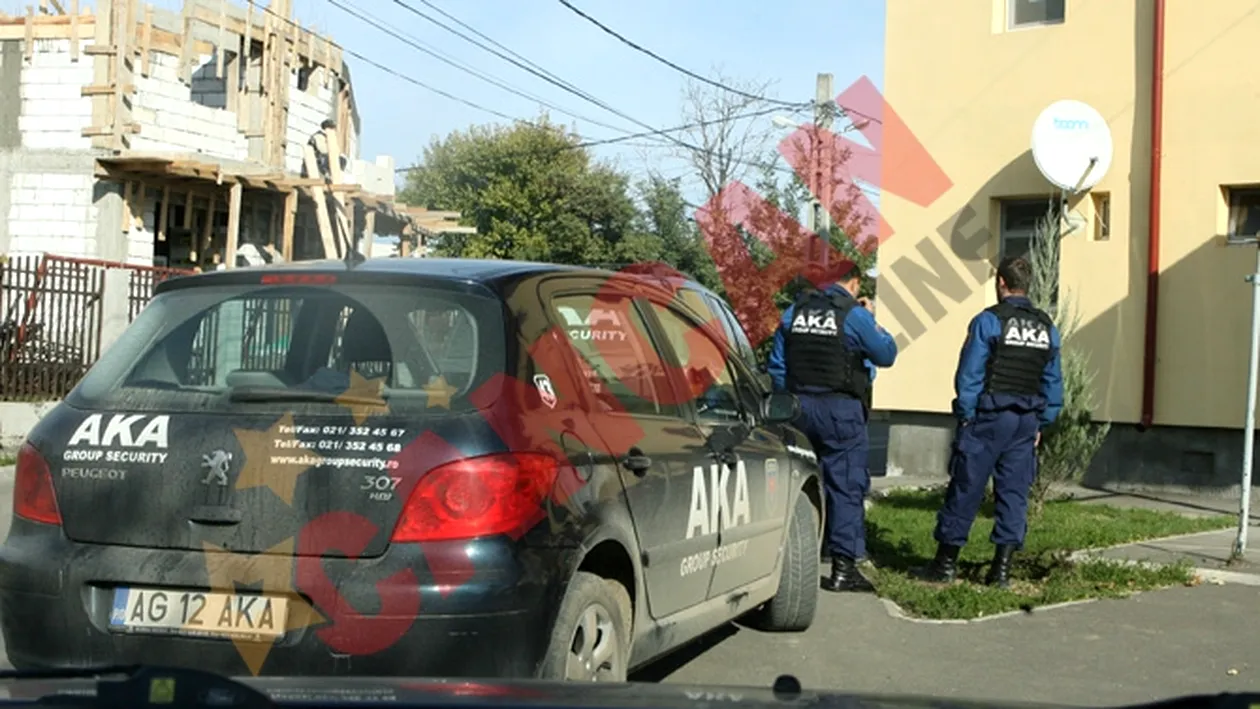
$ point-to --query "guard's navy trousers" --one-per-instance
(836, 426)
(997, 443)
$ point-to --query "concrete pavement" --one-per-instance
(1152, 646)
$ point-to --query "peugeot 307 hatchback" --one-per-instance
(410, 466)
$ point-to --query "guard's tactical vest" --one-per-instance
(815, 350)
(1022, 350)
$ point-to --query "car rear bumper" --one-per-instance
(486, 618)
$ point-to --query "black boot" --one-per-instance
(944, 568)
(846, 577)
(1000, 569)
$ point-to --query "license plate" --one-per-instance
(200, 613)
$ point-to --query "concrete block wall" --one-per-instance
(376, 177)
(307, 109)
(52, 212)
(141, 234)
(173, 120)
(54, 112)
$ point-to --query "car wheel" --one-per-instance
(793, 606)
(591, 639)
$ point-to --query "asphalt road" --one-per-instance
(1152, 646)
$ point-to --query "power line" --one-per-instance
(446, 94)
(491, 40)
(397, 74)
(368, 19)
(557, 82)
(699, 77)
(590, 143)
(668, 63)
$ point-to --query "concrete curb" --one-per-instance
(1205, 574)
(1074, 556)
(897, 612)
(1218, 576)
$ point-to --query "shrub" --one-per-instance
(1071, 442)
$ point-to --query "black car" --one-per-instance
(412, 467)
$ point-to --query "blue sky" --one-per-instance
(788, 42)
(783, 42)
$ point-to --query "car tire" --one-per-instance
(591, 639)
(793, 607)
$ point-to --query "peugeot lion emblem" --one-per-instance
(216, 465)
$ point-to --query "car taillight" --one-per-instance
(33, 495)
(477, 497)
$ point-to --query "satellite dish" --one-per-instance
(1071, 144)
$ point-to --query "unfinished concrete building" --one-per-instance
(185, 140)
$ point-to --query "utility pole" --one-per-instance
(820, 209)
(1253, 373)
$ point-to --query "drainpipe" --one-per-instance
(1152, 243)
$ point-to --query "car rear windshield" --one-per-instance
(301, 349)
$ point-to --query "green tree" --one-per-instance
(667, 233)
(530, 192)
(1071, 442)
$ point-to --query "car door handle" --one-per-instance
(213, 515)
(637, 463)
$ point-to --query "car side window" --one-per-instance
(735, 331)
(620, 365)
(713, 384)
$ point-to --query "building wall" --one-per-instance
(54, 111)
(971, 96)
(307, 110)
(190, 118)
(52, 212)
(1212, 98)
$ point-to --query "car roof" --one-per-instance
(494, 273)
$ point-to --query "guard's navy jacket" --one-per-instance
(975, 382)
(1009, 386)
(836, 425)
(861, 333)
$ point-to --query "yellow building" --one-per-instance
(969, 78)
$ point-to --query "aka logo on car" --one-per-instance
(711, 501)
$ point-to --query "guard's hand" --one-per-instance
(1037, 440)
(867, 303)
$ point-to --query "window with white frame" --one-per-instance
(1031, 13)
(1244, 211)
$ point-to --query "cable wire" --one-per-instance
(590, 143)
(668, 63)
(416, 44)
(688, 72)
(558, 82)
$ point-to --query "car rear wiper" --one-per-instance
(261, 394)
(150, 686)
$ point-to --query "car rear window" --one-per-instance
(215, 347)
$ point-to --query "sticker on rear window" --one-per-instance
(599, 324)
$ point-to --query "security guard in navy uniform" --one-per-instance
(1009, 388)
(822, 350)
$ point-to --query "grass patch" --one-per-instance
(899, 540)
(6, 459)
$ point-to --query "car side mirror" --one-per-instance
(780, 407)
